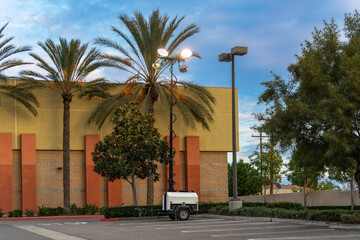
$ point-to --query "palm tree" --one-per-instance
(22, 91)
(71, 65)
(146, 84)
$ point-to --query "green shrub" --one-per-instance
(129, 211)
(15, 213)
(103, 209)
(325, 215)
(29, 213)
(220, 209)
(344, 216)
(333, 208)
(350, 218)
(1, 212)
(75, 210)
(45, 211)
(286, 205)
(205, 207)
(91, 209)
(283, 204)
(254, 204)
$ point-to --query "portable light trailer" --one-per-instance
(180, 205)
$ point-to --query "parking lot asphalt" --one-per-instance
(164, 228)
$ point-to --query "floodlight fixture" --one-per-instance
(162, 52)
(186, 53)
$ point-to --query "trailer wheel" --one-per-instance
(183, 214)
(172, 217)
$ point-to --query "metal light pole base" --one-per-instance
(235, 204)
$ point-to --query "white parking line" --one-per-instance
(271, 232)
(237, 229)
(182, 223)
(310, 237)
(157, 223)
(48, 233)
(244, 223)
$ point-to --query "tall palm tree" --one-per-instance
(147, 84)
(70, 65)
(22, 91)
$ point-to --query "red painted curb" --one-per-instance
(50, 218)
(109, 220)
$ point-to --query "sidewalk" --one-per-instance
(5, 219)
(331, 225)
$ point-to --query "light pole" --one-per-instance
(230, 57)
(172, 60)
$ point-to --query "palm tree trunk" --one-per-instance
(150, 179)
(66, 151)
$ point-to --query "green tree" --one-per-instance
(326, 185)
(317, 111)
(345, 173)
(303, 174)
(66, 72)
(22, 91)
(248, 178)
(132, 149)
(147, 84)
(269, 164)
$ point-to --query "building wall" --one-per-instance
(213, 179)
(37, 162)
(47, 126)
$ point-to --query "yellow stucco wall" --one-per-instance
(47, 126)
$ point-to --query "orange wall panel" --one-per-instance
(92, 179)
(192, 161)
(177, 176)
(28, 172)
(6, 172)
(114, 193)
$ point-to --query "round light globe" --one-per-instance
(163, 52)
(186, 53)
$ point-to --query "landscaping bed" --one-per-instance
(290, 210)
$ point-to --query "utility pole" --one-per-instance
(272, 170)
(261, 161)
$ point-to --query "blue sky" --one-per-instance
(272, 31)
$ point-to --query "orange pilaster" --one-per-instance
(114, 193)
(176, 166)
(6, 172)
(28, 172)
(92, 179)
(192, 164)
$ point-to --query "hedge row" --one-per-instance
(128, 211)
(134, 211)
(283, 204)
(296, 206)
(345, 216)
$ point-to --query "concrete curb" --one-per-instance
(7, 219)
(330, 225)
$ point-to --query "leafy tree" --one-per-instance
(302, 173)
(22, 91)
(326, 185)
(248, 178)
(147, 84)
(269, 164)
(317, 111)
(132, 149)
(66, 72)
(345, 173)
